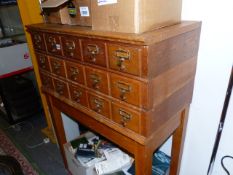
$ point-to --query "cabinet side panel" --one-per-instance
(164, 55)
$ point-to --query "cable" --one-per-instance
(13, 126)
(222, 163)
(34, 146)
(17, 127)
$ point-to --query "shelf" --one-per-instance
(11, 41)
(8, 3)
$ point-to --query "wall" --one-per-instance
(213, 71)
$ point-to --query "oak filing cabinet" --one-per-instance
(134, 89)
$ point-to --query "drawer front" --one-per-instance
(94, 52)
(57, 66)
(125, 59)
(53, 44)
(75, 72)
(97, 80)
(46, 81)
(78, 95)
(38, 41)
(125, 89)
(125, 117)
(99, 105)
(43, 62)
(71, 47)
(61, 87)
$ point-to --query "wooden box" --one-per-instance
(58, 12)
(55, 11)
(134, 16)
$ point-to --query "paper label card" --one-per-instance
(84, 11)
(106, 2)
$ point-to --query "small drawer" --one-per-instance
(75, 72)
(78, 95)
(61, 88)
(57, 66)
(125, 59)
(38, 41)
(125, 89)
(99, 105)
(43, 62)
(46, 81)
(53, 44)
(97, 80)
(71, 47)
(94, 52)
(125, 117)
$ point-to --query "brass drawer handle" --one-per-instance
(38, 40)
(93, 50)
(70, 46)
(42, 62)
(95, 81)
(124, 88)
(121, 56)
(125, 117)
(60, 88)
(45, 81)
(57, 67)
(71, 54)
(53, 44)
(77, 95)
(74, 73)
(98, 105)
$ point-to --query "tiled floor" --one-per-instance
(26, 135)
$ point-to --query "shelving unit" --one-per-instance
(15, 60)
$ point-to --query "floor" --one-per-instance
(27, 136)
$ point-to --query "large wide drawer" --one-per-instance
(43, 61)
(94, 52)
(61, 87)
(38, 41)
(71, 47)
(53, 44)
(75, 72)
(124, 58)
(57, 66)
(78, 94)
(99, 104)
(126, 117)
(46, 81)
(125, 89)
(97, 80)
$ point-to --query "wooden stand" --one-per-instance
(142, 150)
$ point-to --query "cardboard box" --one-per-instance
(56, 11)
(134, 16)
(74, 166)
(84, 17)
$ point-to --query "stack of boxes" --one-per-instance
(131, 16)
